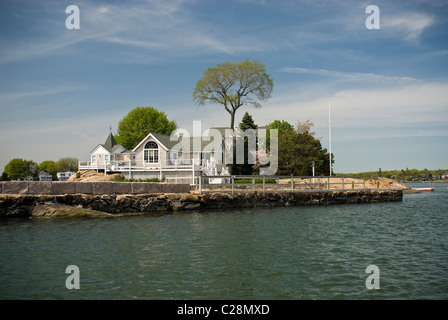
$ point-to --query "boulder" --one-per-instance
(55, 210)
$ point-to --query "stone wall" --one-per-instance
(93, 188)
(23, 205)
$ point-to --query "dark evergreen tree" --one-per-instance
(247, 168)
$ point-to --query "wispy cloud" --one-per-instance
(10, 97)
(411, 24)
(166, 27)
(352, 76)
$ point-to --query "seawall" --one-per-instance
(23, 205)
(91, 188)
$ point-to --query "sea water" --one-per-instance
(307, 252)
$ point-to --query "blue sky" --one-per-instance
(61, 90)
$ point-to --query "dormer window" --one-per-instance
(151, 152)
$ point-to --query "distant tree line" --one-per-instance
(407, 174)
(20, 169)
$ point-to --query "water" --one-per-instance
(281, 253)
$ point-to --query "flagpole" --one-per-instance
(329, 130)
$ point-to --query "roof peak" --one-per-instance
(110, 141)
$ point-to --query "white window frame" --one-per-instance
(151, 155)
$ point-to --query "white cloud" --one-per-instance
(410, 24)
(351, 76)
(158, 26)
(10, 97)
(378, 112)
(374, 127)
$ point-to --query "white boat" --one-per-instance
(428, 189)
(424, 189)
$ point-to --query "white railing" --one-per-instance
(209, 169)
(124, 166)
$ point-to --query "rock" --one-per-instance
(92, 176)
(192, 206)
(55, 210)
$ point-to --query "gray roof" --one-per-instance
(111, 144)
(166, 141)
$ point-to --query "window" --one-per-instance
(108, 158)
(93, 158)
(151, 152)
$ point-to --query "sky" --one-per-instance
(62, 89)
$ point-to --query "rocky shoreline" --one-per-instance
(88, 205)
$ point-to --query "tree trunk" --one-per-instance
(231, 167)
(232, 120)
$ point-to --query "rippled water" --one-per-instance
(281, 253)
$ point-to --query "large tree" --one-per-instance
(234, 84)
(139, 122)
(20, 169)
(49, 167)
(67, 164)
(298, 149)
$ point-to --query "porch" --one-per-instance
(183, 171)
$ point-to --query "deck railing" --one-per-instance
(114, 166)
(167, 172)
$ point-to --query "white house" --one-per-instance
(44, 176)
(174, 158)
(64, 176)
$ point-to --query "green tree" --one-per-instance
(20, 169)
(247, 122)
(234, 84)
(282, 126)
(246, 168)
(49, 167)
(31, 169)
(298, 149)
(67, 164)
(16, 169)
(4, 177)
(136, 125)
